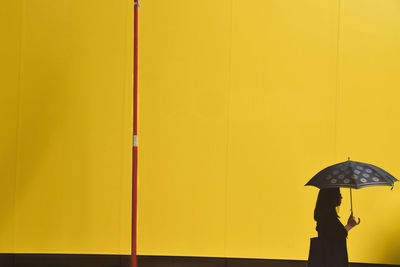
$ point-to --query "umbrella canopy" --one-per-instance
(352, 174)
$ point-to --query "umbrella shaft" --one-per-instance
(351, 201)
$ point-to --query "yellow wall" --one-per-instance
(72, 184)
(10, 18)
(242, 102)
(368, 119)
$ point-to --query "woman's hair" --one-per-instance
(326, 203)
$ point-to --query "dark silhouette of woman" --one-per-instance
(332, 233)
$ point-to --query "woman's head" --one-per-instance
(327, 201)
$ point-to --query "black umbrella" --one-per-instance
(352, 174)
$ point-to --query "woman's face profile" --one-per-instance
(339, 200)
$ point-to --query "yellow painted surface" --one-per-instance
(368, 120)
(282, 103)
(242, 102)
(184, 76)
(72, 184)
(10, 18)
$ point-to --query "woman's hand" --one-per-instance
(351, 222)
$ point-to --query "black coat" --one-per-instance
(330, 248)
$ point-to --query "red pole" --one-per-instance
(135, 151)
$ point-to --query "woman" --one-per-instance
(331, 232)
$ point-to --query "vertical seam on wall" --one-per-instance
(338, 74)
(227, 127)
(19, 112)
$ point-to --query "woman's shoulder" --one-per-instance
(326, 216)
